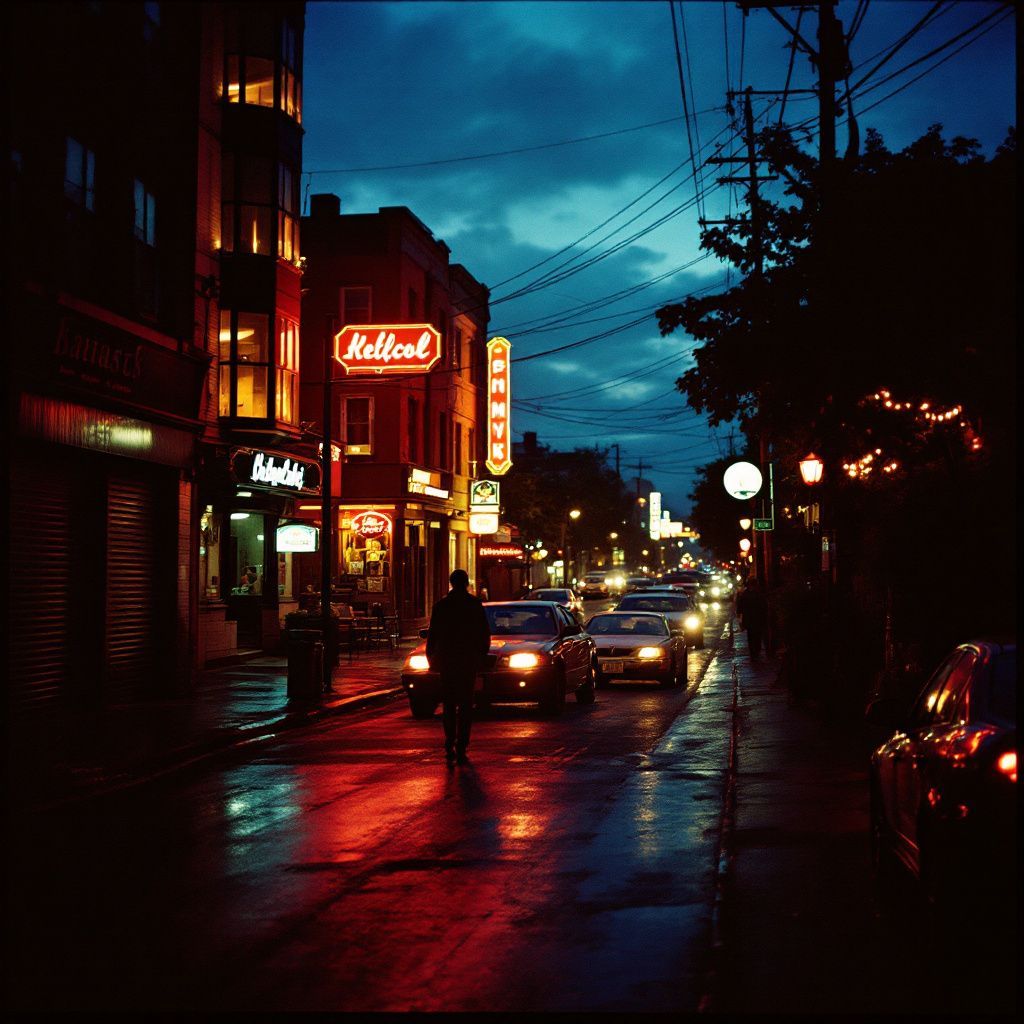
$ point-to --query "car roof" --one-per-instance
(631, 615)
(519, 604)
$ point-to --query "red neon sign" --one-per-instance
(371, 524)
(499, 406)
(387, 348)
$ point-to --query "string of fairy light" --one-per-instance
(921, 410)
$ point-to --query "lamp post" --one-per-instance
(326, 539)
(573, 514)
(811, 471)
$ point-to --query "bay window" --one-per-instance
(287, 373)
(244, 364)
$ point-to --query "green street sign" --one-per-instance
(763, 524)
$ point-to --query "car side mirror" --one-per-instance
(573, 630)
(424, 633)
(889, 712)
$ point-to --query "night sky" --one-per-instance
(418, 104)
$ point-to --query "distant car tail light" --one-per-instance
(523, 659)
(649, 653)
(1007, 765)
(418, 663)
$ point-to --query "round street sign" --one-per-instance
(742, 480)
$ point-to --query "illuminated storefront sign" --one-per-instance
(499, 551)
(654, 505)
(296, 537)
(483, 523)
(423, 482)
(278, 470)
(387, 348)
(371, 524)
(484, 496)
(499, 406)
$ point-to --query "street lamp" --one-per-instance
(744, 524)
(573, 514)
(811, 468)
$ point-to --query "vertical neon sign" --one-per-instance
(499, 406)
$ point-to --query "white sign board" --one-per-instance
(742, 480)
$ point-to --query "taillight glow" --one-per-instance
(1007, 765)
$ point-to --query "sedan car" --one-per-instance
(637, 645)
(682, 616)
(538, 653)
(944, 785)
(565, 597)
(593, 585)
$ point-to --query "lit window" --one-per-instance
(287, 221)
(259, 81)
(80, 174)
(287, 374)
(290, 93)
(244, 364)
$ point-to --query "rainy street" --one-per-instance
(570, 865)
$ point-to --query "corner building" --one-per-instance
(411, 443)
(146, 345)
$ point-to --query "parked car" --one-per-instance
(944, 785)
(683, 616)
(637, 645)
(563, 596)
(593, 585)
(538, 653)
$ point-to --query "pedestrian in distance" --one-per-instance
(752, 610)
(457, 644)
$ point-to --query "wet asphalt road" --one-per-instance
(343, 867)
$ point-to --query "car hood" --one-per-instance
(503, 644)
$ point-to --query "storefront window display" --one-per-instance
(209, 555)
(247, 541)
(367, 547)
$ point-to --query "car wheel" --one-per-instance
(884, 868)
(554, 702)
(585, 692)
(669, 681)
(421, 708)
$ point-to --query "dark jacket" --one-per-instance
(752, 608)
(459, 636)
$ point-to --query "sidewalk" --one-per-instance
(91, 753)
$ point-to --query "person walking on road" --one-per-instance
(457, 644)
(752, 610)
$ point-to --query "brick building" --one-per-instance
(412, 443)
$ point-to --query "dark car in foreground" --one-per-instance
(944, 784)
(538, 653)
(637, 645)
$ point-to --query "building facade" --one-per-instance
(411, 441)
(150, 346)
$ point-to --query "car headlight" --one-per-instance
(649, 653)
(715, 604)
(691, 622)
(715, 591)
(523, 659)
(418, 663)
(701, 592)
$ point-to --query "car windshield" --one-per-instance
(594, 577)
(654, 604)
(520, 620)
(1004, 686)
(641, 625)
(551, 595)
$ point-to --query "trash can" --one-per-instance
(305, 664)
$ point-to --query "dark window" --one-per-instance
(956, 682)
(355, 306)
(414, 424)
(1003, 700)
(80, 174)
(358, 426)
(413, 310)
(144, 206)
(150, 19)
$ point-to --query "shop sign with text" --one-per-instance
(654, 514)
(483, 523)
(499, 551)
(386, 349)
(371, 524)
(275, 470)
(499, 406)
(296, 537)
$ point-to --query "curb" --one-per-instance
(222, 741)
